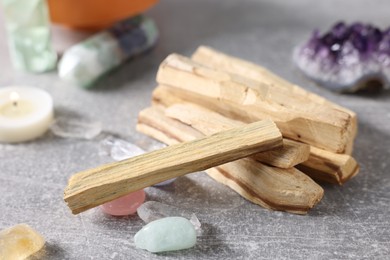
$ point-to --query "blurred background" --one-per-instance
(351, 221)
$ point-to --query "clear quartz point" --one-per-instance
(75, 128)
(154, 210)
(156, 145)
(119, 149)
(196, 223)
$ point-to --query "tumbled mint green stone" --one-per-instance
(28, 34)
(166, 234)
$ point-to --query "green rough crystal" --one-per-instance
(28, 29)
(166, 234)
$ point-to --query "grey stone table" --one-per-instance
(350, 222)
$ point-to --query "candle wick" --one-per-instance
(14, 96)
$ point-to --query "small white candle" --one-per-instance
(25, 113)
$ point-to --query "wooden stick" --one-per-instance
(212, 58)
(209, 122)
(152, 117)
(321, 165)
(270, 187)
(329, 167)
(221, 61)
(273, 188)
(93, 187)
(325, 128)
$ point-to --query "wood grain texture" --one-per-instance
(221, 61)
(96, 186)
(270, 187)
(329, 167)
(328, 128)
(321, 165)
(209, 122)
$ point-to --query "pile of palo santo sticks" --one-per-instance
(212, 91)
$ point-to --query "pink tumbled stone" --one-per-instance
(125, 205)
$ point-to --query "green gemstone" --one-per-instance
(166, 234)
(28, 31)
(86, 62)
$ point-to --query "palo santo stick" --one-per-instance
(329, 167)
(152, 117)
(212, 58)
(270, 187)
(325, 128)
(321, 165)
(93, 187)
(209, 122)
(217, 60)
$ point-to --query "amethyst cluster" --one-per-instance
(347, 57)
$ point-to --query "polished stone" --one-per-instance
(153, 210)
(351, 222)
(125, 205)
(166, 234)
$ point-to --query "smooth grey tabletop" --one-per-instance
(351, 222)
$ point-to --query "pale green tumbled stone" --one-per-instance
(166, 234)
(28, 31)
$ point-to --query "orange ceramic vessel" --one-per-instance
(95, 14)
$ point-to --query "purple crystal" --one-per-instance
(357, 27)
(358, 41)
(339, 31)
(345, 55)
(384, 45)
(167, 182)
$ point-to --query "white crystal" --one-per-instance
(156, 145)
(74, 128)
(122, 150)
(196, 223)
(119, 149)
(154, 210)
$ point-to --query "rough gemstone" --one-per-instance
(74, 128)
(153, 210)
(347, 57)
(125, 205)
(19, 242)
(119, 150)
(28, 31)
(163, 183)
(166, 234)
(87, 61)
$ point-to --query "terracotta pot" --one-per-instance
(95, 14)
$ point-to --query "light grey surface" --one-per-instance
(350, 222)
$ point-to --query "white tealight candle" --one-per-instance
(25, 113)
